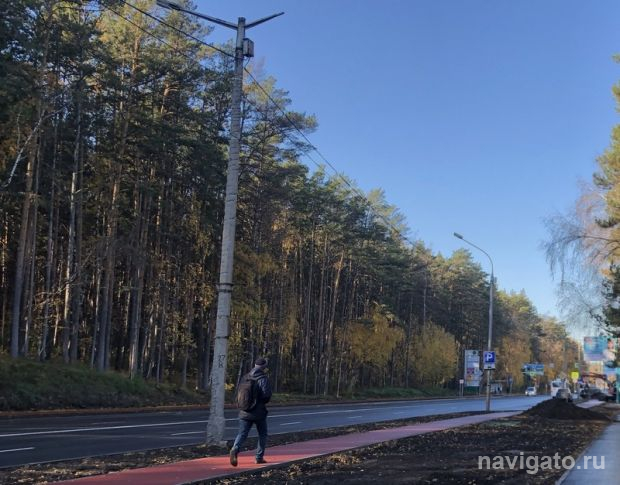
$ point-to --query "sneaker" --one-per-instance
(233, 456)
(260, 461)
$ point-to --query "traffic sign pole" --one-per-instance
(489, 364)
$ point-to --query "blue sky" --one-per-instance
(474, 116)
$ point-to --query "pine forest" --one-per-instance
(113, 148)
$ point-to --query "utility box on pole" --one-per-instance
(248, 48)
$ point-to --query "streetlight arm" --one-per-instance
(175, 6)
(263, 20)
(456, 234)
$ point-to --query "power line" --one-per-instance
(314, 148)
(146, 31)
(255, 81)
(354, 189)
(187, 34)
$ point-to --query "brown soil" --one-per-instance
(446, 457)
(560, 409)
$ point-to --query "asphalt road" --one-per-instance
(44, 439)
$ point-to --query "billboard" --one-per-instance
(472, 372)
(601, 349)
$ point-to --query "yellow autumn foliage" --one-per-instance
(434, 355)
(513, 352)
(372, 341)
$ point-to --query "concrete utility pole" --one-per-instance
(488, 400)
(243, 48)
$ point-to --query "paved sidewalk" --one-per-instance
(219, 466)
(590, 404)
(600, 463)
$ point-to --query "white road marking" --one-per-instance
(189, 432)
(354, 417)
(410, 406)
(288, 424)
(319, 412)
(17, 449)
(151, 425)
(81, 430)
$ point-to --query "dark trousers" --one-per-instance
(245, 425)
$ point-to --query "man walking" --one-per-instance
(253, 394)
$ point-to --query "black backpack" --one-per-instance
(247, 394)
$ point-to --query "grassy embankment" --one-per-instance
(30, 385)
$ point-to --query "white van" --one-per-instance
(556, 385)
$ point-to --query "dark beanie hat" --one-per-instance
(260, 362)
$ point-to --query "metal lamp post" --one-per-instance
(488, 400)
(243, 48)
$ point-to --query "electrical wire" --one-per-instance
(146, 31)
(353, 188)
(357, 191)
(176, 29)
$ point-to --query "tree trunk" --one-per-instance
(4, 279)
(49, 265)
(307, 348)
(70, 269)
(96, 320)
(18, 284)
(29, 295)
(320, 321)
(103, 348)
(76, 304)
(26, 220)
(331, 323)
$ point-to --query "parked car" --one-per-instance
(530, 391)
(564, 394)
(593, 393)
(588, 392)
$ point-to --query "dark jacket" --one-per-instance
(259, 411)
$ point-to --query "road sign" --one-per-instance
(533, 369)
(489, 359)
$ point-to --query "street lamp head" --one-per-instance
(169, 4)
(456, 234)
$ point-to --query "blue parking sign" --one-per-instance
(489, 359)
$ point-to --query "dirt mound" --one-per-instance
(560, 409)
